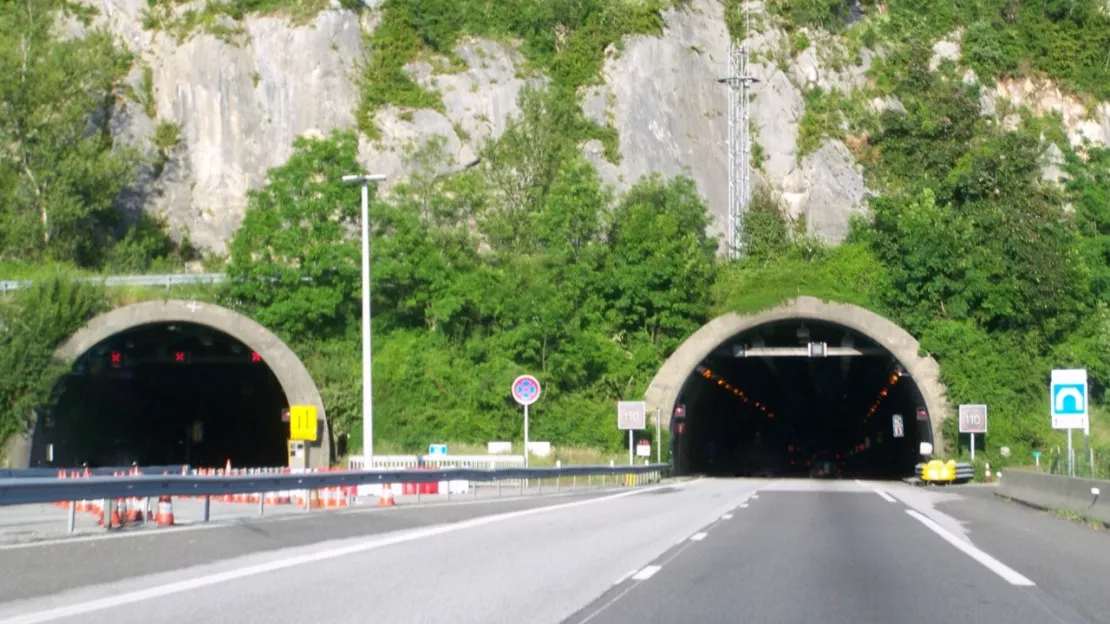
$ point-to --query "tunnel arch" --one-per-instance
(665, 387)
(294, 379)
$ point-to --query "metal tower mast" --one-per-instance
(739, 136)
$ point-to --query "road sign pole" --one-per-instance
(659, 438)
(1071, 457)
(525, 435)
(629, 447)
(973, 447)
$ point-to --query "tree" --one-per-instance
(661, 260)
(295, 261)
(33, 322)
(61, 172)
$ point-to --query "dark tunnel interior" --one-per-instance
(166, 394)
(800, 399)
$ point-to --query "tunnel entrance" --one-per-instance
(801, 398)
(807, 388)
(167, 394)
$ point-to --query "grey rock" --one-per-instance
(1051, 164)
(945, 49)
(826, 189)
(667, 106)
(482, 98)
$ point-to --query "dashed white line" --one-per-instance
(699, 536)
(743, 505)
(994, 565)
(646, 573)
(726, 517)
(887, 497)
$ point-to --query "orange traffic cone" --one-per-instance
(386, 499)
(134, 510)
(165, 511)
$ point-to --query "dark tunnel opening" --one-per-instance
(166, 394)
(800, 399)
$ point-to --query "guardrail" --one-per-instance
(1088, 497)
(356, 462)
(168, 280)
(41, 490)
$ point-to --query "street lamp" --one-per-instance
(367, 388)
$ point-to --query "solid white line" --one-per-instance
(625, 577)
(887, 497)
(646, 573)
(109, 602)
(992, 564)
(726, 517)
(697, 537)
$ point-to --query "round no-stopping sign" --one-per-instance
(526, 390)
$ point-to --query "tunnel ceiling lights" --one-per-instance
(708, 373)
(893, 380)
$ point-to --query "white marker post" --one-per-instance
(525, 391)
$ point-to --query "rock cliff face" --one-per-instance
(239, 104)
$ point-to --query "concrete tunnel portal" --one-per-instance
(807, 389)
(168, 383)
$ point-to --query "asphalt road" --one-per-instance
(703, 551)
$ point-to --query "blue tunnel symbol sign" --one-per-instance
(1069, 399)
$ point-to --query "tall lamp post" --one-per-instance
(367, 387)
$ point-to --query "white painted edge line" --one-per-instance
(646, 573)
(726, 517)
(625, 577)
(887, 497)
(699, 536)
(994, 565)
(109, 602)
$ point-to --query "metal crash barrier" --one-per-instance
(117, 499)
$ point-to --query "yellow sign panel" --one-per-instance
(302, 422)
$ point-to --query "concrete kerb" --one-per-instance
(296, 382)
(1057, 492)
(924, 371)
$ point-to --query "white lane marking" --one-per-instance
(109, 602)
(697, 537)
(994, 565)
(646, 573)
(754, 496)
(625, 577)
(743, 505)
(726, 517)
(887, 497)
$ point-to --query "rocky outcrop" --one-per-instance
(239, 104)
(662, 95)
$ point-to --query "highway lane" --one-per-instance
(703, 551)
(51, 567)
(536, 565)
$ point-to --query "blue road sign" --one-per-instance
(437, 449)
(1068, 397)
